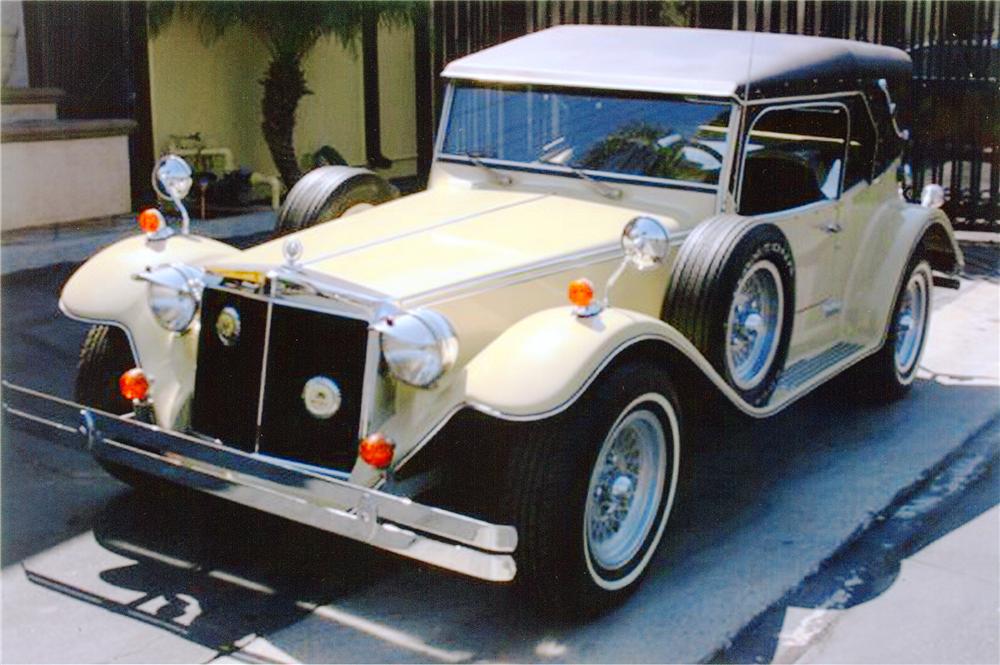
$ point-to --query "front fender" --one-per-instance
(103, 290)
(540, 365)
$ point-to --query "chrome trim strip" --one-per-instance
(311, 468)
(528, 271)
(725, 172)
(599, 176)
(432, 227)
(322, 284)
(263, 371)
(449, 92)
(802, 98)
(373, 353)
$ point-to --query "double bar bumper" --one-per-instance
(456, 542)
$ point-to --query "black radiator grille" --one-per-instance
(301, 344)
(227, 382)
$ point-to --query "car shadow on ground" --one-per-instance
(215, 572)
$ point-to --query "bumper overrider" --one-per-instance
(456, 542)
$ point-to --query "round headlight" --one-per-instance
(174, 295)
(418, 346)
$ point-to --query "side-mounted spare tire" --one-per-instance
(329, 192)
(732, 294)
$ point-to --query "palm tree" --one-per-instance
(288, 31)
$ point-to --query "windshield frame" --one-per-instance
(721, 185)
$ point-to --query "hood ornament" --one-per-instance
(293, 250)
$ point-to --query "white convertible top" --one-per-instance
(693, 61)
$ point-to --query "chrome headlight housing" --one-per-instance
(174, 294)
(418, 346)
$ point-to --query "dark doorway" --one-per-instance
(96, 52)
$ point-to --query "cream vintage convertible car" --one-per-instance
(618, 219)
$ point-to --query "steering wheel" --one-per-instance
(695, 144)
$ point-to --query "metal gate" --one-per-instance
(955, 46)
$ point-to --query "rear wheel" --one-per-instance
(887, 375)
(104, 356)
(592, 490)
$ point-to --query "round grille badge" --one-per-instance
(227, 326)
(321, 397)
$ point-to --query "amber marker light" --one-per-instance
(581, 292)
(133, 385)
(377, 450)
(150, 220)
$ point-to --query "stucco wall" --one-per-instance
(215, 90)
(12, 18)
(45, 182)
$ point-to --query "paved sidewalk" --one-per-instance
(942, 608)
(24, 249)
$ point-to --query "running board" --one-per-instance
(805, 370)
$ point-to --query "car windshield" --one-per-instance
(622, 133)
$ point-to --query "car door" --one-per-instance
(862, 196)
(792, 175)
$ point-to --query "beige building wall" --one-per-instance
(47, 182)
(215, 90)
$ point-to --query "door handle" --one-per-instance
(833, 227)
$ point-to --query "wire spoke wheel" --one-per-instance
(754, 325)
(910, 324)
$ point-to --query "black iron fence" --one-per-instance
(955, 45)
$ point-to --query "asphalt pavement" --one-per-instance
(94, 572)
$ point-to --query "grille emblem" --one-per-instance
(227, 326)
(321, 396)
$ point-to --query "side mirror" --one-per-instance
(172, 177)
(645, 242)
(172, 180)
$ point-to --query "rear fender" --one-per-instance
(893, 237)
(103, 290)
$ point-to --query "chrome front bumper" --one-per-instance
(456, 542)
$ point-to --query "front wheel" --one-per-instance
(104, 355)
(592, 490)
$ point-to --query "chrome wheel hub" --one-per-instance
(910, 323)
(754, 326)
(625, 489)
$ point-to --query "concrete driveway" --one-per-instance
(93, 572)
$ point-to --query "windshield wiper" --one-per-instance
(498, 176)
(604, 189)
(554, 149)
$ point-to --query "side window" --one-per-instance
(793, 157)
(861, 151)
